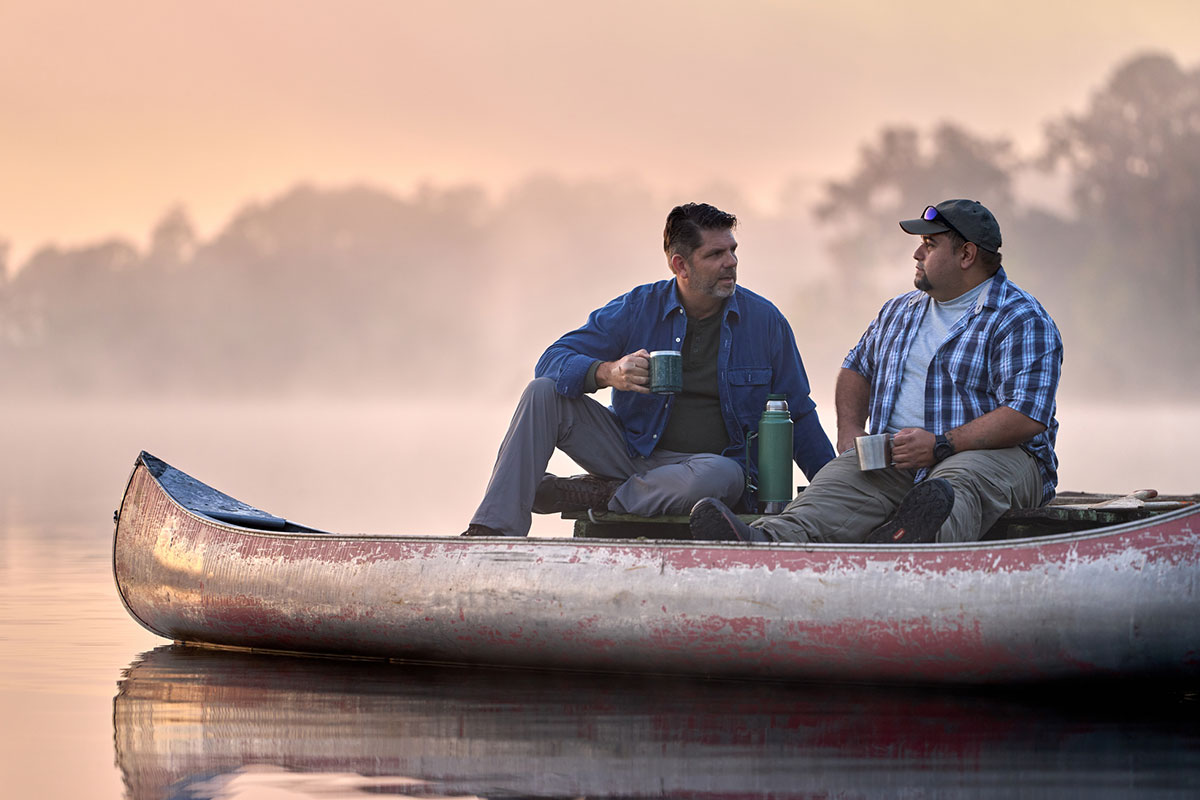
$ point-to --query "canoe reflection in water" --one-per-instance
(200, 723)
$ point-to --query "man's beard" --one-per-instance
(719, 291)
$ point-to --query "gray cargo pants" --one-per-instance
(663, 483)
(844, 504)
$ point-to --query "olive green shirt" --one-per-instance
(696, 424)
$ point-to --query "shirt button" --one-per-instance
(677, 338)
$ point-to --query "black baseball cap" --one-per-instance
(969, 218)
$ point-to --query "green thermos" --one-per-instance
(775, 455)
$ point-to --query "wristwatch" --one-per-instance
(942, 449)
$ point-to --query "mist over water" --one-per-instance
(421, 467)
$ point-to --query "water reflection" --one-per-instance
(199, 724)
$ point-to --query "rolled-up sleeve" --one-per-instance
(861, 357)
(1027, 359)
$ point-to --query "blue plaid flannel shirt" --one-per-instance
(1006, 351)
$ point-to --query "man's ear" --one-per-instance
(678, 265)
(970, 252)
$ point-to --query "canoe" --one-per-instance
(1101, 599)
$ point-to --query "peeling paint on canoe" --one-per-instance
(1121, 600)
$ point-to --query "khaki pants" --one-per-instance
(844, 504)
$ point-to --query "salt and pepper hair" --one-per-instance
(685, 223)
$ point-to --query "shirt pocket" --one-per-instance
(749, 386)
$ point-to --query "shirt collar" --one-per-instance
(731, 305)
(673, 306)
(989, 299)
(995, 294)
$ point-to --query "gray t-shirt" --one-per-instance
(939, 318)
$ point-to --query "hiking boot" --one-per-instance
(480, 530)
(555, 495)
(713, 521)
(919, 516)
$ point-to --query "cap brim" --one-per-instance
(923, 227)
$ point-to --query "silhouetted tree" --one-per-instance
(173, 241)
(1134, 161)
(900, 174)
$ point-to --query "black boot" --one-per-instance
(578, 493)
(919, 516)
(713, 521)
(480, 530)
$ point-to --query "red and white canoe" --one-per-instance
(197, 566)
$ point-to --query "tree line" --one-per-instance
(355, 290)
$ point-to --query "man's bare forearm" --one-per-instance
(999, 428)
(912, 448)
(851, 400)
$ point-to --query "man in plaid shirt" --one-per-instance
(962, 373)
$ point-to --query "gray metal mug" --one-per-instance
(874, 451)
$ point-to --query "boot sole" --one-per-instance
(919, 516)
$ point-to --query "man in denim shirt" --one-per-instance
(652, 454)
(962, 373)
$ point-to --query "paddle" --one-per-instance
(1132, 500)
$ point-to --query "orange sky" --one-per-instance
(115, 111)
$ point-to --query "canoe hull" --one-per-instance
(1115, 601)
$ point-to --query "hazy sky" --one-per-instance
(114, 111)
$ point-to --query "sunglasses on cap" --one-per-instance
(931, 214)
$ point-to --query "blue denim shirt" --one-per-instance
(757, 356)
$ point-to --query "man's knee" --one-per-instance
(721, 476)
(986, 484)
(999, 475)
(540, 390)
(542, 400)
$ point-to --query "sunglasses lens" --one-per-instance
(930, 214)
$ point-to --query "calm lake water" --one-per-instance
(96, 707)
